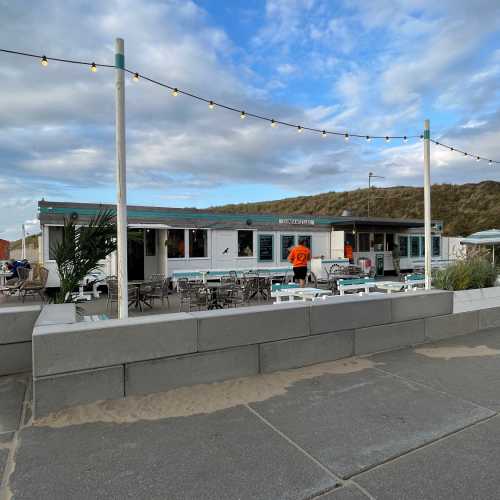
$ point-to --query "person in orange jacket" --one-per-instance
(348, 252)
(299, 256)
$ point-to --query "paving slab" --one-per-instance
(467, 367)
(350, 422)
(462, 466)
(344, 493)
(12, 390)
(6, 437)
(4, 453)
(229, 454)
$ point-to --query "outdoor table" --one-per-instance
(214, 288)
(139, 300)
(300, 293)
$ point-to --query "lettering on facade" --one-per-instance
(309, 222)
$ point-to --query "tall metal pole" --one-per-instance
(23, 247)
(121, 182)
(427, 204)
(369, 191)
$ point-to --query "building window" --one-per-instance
(55, 238)
(287, 243)
(307, 239)
(436, 246)
(245, 243)
(350, 239)
(378, 242)
(150, 238)
(198, 243)
(389, 242)
(175, 242)
(364, 242)
(415, 246)
(266, 247)
(403, 246)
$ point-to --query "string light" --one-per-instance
(477, 157)
(44, 60)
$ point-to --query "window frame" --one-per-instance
(49, 226)
(294, 242)
(253, 231)
(185, 252)
(189, 230)
(310, 236)
(407, 253)
(369, 240)
(272, 247)
(417, 236)
(435, 237)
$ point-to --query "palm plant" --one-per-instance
(81, 249)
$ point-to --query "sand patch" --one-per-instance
(453, 352)
(198, 399)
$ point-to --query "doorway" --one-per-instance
(135, 254)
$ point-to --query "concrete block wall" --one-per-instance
(76, 363)
(16, 329)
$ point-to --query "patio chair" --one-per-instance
(160, 289)
(238, 295)
(36, 286)
(13, 286)
(195, 295)
(112, 284)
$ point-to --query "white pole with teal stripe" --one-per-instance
(121, 181)
(427, 204)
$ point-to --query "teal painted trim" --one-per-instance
(120, 61)
(356, 281)
(427, 134)
(145, 214)
(258, 246)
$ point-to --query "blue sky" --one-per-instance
(378, 67)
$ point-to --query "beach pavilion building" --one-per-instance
(177, 239)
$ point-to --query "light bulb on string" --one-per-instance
(465, 154)
(323, 134)
(299, 129)
(437, 144)
(44, 61)
(346, 137)
(242, 115)
(490, 163)
(93, 67)
(368, 138)
(135, 78)
(211, 104)
(421, 137)
(273, 123)
(405, 139)
(452, 149)
(387, 138)
(477, 159)
(175, 92)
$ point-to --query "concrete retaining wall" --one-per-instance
(16, 329)
(76, 363)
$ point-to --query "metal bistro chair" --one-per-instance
(183, 292)
(160, 289)
(112, 284)
(198, 296)
(13, 286)
(36, 286)
(238, 295)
